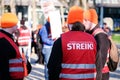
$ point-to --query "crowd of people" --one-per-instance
(80, 53)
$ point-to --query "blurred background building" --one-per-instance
(108, 9)
(31, 10)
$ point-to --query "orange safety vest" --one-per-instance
(17, 65)
(105, 68)
(24, 37)
(79, 52)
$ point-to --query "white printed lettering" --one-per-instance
(80, 46)
(69, 47)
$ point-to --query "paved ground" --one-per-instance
(37, 72)
(115, 75)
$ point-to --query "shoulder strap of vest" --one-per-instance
(11, 42)
(97, 31)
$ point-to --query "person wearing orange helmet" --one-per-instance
(73, 54)
(12, 63)
(103, 43)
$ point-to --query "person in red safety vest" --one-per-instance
(13, 65)
(73, 55)
(24, 38)
(103, 43)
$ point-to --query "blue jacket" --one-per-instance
(45, 33)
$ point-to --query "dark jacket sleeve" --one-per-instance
(54, 64)
(103, 44)
(5, 55)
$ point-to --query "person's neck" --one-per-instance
(9, 30)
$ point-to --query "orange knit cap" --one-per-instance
(75, 14)
(87, 15)
(94, 16)
(8, 20)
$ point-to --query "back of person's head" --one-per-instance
(8, 20)
(22, 22)
(75, 15)
(77, 26)
(94, 16)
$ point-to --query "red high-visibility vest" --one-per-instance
(79, 51)
(17, 66)
(24, 37)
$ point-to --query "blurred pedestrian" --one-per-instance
(11, 62)
(24, 38)
(39, 46)
(34, 42)
(103, 43)
(113, 52)
(73, 54)
(107, 29)
(46, 38)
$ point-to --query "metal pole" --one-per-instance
(62, 14)
(101, 14)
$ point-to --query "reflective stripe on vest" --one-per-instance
(16, 68)
(77, 66)
(78, 76)
(15, 60)
(24, 37)
(97, 31)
